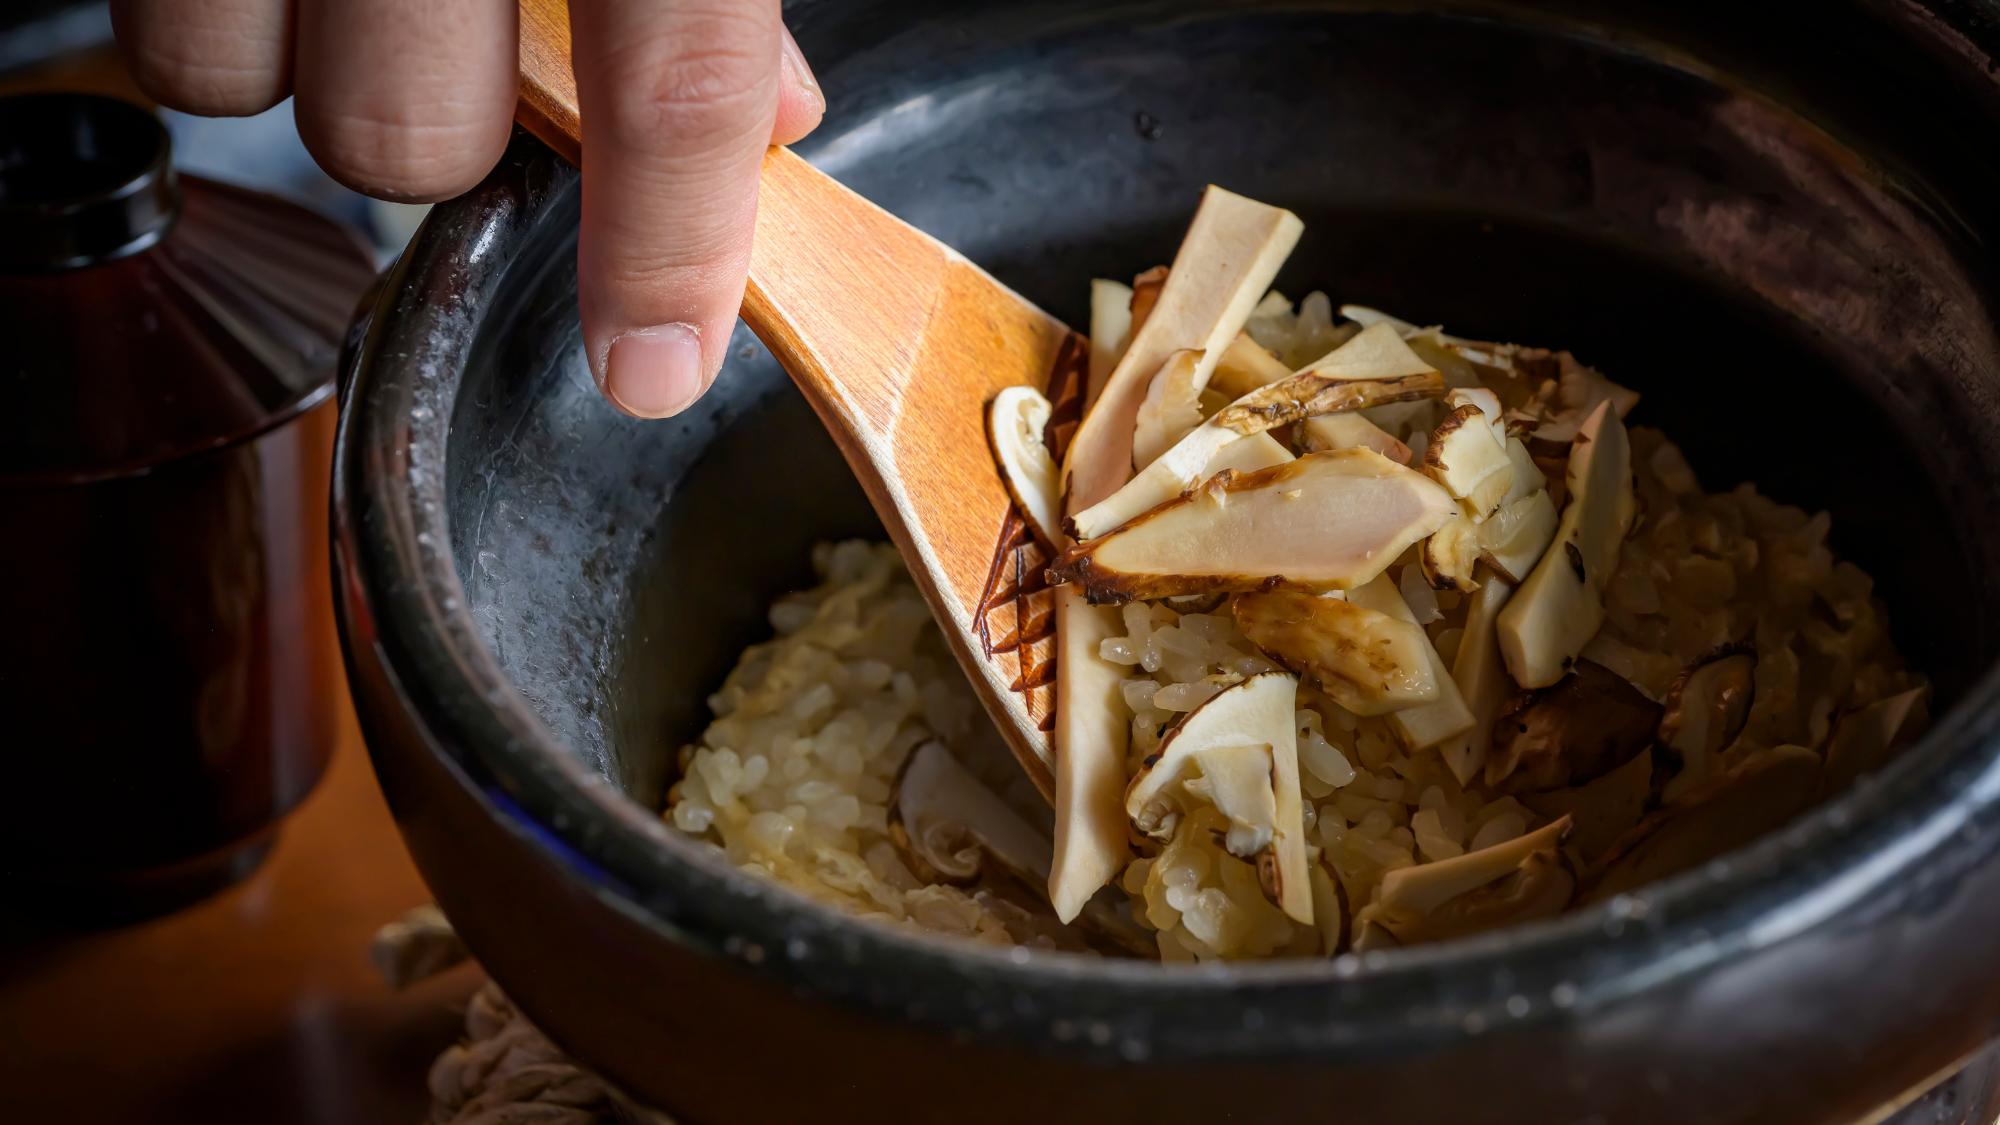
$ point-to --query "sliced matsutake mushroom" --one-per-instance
(1488, 404)
(1015, 423)
(1238, 781)
(1580, 391)
(1481, 678)
(1706, 709)
(1326, 905)
(1447, 356)
(1375, 368)
(1238, 752)
(1221, 448)
(1372, 375)
(1232, 250)
(1514, 881)
(1528, 477)
(1146, 290)
(1183, 466)
(948, 826)
(1171, 408)
(1514, 538)
(1483, 353)
(1326, 521)
(1450, 554)
(1367, 661)
(1282, 869)
(1212, 401)
(1247, 455)
(1561, 604)
(1465, 362)
(1605, 809)
(1110, 328)
(1246, 365)
(1350, 431)
(1862, 740)
(1090, 739)
(1759, 794)
(1425, 724)
(1588, 724)
(1465, 458)
(1369, 318)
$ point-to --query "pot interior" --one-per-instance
(1803, 305)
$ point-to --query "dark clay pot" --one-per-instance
(1773, 219)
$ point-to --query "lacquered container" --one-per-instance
(169, 677)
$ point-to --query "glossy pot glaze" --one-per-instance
(538, 594)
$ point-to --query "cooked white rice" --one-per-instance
(793, 777)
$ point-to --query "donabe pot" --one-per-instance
(1785, 250)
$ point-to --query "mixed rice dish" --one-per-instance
(1368, 635)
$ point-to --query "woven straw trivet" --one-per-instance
(504, 1072)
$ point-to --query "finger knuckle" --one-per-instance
(214, 87)
(394, 155)
(691, 87)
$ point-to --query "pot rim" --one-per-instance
(404, 610)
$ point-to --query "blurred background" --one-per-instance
(257, 1002)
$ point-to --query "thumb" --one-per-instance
(679, 99)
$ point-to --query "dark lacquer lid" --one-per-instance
(146, 317)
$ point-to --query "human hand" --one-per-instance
(414, 101)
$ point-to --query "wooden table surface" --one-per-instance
(256, 1005)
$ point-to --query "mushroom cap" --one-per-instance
(1590, 723)
(1706, 708)
(1242, 746)
(1257, 712)
(1016, 422)
(947, 825)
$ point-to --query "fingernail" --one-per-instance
(801, 71)
(654, 372)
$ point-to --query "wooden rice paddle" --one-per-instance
(898, 343)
